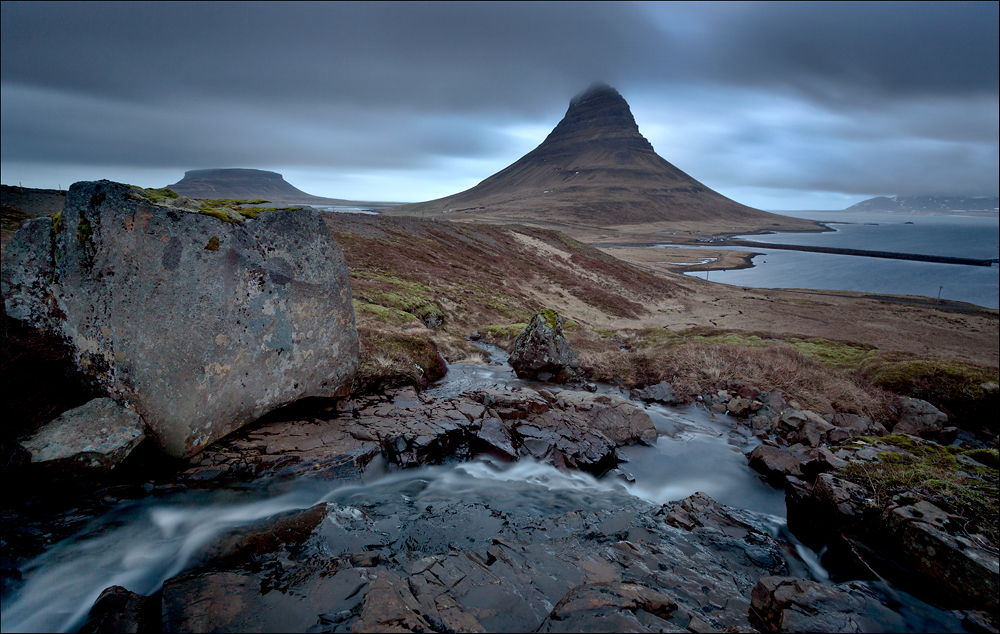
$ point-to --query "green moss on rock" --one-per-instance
(966, 392)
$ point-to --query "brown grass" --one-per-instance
(695, 367)
(391, 359)
(484, 274)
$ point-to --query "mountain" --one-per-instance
(245, 184)
(595, 168)
(927, 203)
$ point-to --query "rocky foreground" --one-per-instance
(163, 308)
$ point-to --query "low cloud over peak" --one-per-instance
(438, 94)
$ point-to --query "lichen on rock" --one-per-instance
(198, 341)
(542, 352)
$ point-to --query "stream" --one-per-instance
(139, 544)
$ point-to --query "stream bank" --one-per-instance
(400, 512)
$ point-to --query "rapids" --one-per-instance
(139, 544)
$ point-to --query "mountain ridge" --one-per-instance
(927, 203)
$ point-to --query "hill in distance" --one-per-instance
(596, 169)
(927, 203)
(247, 184)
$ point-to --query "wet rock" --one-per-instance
(542, 349)
(774, 463)
(520, 403)
(525, 569)
(738, 406)
(341, 447)
(822, 462)
(199, 341)
(912, 540)
(611, 607)
(787, 604)
(762, 423)
(613, 416)
(919, 418)
(120, 610)
(497, 437)
(391, 607)
(93, 437)
(791, 420)
(814, 432)
(936, 549)
(662, 392)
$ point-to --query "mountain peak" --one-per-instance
(596, 167)
(597, 89)
(598, 115)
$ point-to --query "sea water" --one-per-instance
(948, 234)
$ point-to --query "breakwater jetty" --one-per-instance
(916, 257)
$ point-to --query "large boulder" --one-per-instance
(93, 437)
(200, 324)
(541, 351)
(919, 418)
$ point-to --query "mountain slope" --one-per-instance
(595, 168)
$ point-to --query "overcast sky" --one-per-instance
(779, 106)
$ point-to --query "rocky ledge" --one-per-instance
(577, 430)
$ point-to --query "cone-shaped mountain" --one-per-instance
(595, 167)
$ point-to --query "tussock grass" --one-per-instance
(695, 366)
(968, 393)
(393, 359)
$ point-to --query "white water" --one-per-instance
(139, 545)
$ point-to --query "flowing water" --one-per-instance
(140, 544)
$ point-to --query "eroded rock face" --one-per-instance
(787, 604)
(93, 437)
(907, 538)
(541, 351)
(201, 325)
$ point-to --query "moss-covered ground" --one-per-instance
(963, 482)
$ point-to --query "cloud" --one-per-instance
(851, 99)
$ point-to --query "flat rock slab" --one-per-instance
(95, 436)
(202, 325)
(623, 569)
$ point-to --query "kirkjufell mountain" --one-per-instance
(244, 184)
(596, 168)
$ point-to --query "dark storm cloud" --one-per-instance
(845, 51)
(904, 89)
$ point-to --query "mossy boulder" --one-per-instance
(968, 393)
(199, 341)
(542, 352)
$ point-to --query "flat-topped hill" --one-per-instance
(927, 203)
(245, 184)
(596, 168)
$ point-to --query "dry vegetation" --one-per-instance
(439, 282)
(423, 285)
